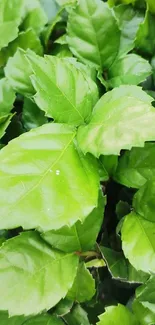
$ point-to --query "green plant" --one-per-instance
(77, 167)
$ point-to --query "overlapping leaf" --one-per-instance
(91, 43)
(117, 121)
(46, 182)
(39, 282)
(116, 315)
(63, 92)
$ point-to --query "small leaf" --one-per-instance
(128, 70)
(63, 92)
(81, 236)
(144, 315)
(144, 202)
(35, 17)
(116, 315)
(50, 7)
(32, 116)
(129, 20)
(18, 76)
(7, 98)
(96, 263)
(138, 242)
(78, 316)
(120, 268)
(151, 5)
(117, 121)
(107, 165)
(5, 124)
(145, 41)
(137, 166)
(122, 209)
(83, 288)
(40, 169)
(63, 307)
(10, 19)
(26, 258)
(98, 26)
(146, 295)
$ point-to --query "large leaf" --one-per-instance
(116, 315)
(144, 202)
(63, 92)
(129, 20)
(138, 242)
(10, 18)
(144, 315)
(91, 42)
(117, 121)
(128, 70)
(120, 268)
(145, 41)
(81, 236)
(32, 116)
(46, 182)
(137, 166)
(43, 320)
(31, 273)
(18, 76)
(83, 288)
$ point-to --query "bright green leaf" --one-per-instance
(129, 20)
(129, 70)
(18, 75)
(81, 236)
(91, 42)
(116, 315)
(32, 116)
(35, 17)
(10, 19)
(151, 5)
(120, 268)
(83, 288)
(39, 170)
(138, 242)
(137, 166)
(146, 295)
(95, 263)
(145, 41)
(63, 92)
(144, 315)
(144, 201)
(38, 281)
(117, 122)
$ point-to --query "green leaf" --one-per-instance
(65, 2)
(25, 259)
(129, 20)
(128, 70)
(137, 166)
(116, 315)
(83, 288)
(63, 92)
(18, 76)
(146, 295)
(32, 116)
(151, 5)
(120, 268)
(25, 40)
(95, 263)
(10, 19)
(143, 201)
(40, 169)
(138, 242)
(78, 316)
(107, 166)
(145, 41)
(122, 209)
(17, 320)
(7, 98)
(144, 315)
(81, 236)
(63, 307)
(117, 121)
(50, 7)
(5, 124)
(35, 17)
(91, 42)
(43, 320)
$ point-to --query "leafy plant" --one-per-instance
(77, 167)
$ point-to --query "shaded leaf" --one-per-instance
(77, 316)
(144, 202)
(32, 116)
(145, 41)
